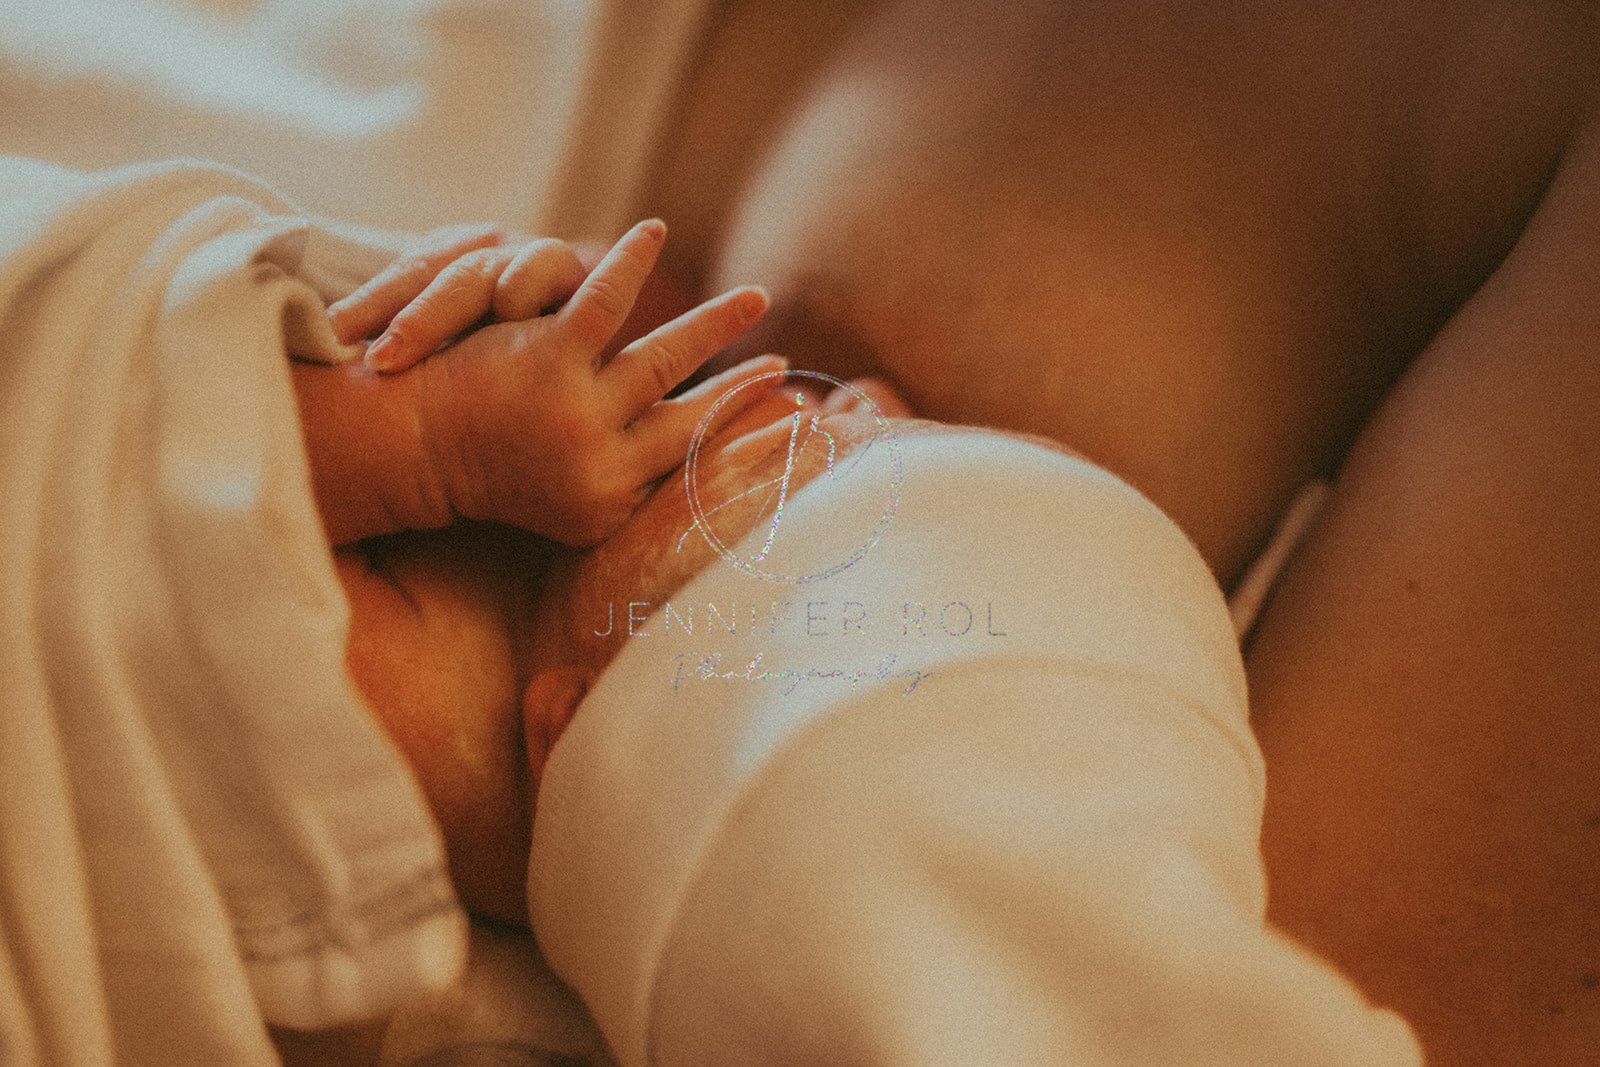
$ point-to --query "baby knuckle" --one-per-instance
(666, 363)
(547, 248)
(478, 264)
(546, 258)
(604, 308)
(607, 298)
(412, 267)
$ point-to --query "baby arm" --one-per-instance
(522, 421)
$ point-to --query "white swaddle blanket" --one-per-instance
(200, 825)
(1045, 852)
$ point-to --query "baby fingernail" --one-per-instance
(753, 304)
(384, 352)
(653, 228)
(336, 315)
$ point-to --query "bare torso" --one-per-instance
(1197, 243)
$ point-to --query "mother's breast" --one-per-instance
(1167, 238)
(1075, 224)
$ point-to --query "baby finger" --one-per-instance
(652, 366)
(602, 303)
(544, 273)
(664, 433)
(461, 295)
(369, 308)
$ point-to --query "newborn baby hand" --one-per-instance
(548, 423)
(524, 422)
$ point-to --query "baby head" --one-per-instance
(474, 645)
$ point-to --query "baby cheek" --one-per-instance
(447, 696)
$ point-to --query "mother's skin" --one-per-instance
(1201, 244)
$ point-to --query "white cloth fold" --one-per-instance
(1045, 852)
(201, 827)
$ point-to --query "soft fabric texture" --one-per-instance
(507, 1010)
(1044, 852)
(537, 114)
(201, 828)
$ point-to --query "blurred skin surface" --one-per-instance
(1196, 242)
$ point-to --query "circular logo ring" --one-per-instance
(752, 566)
